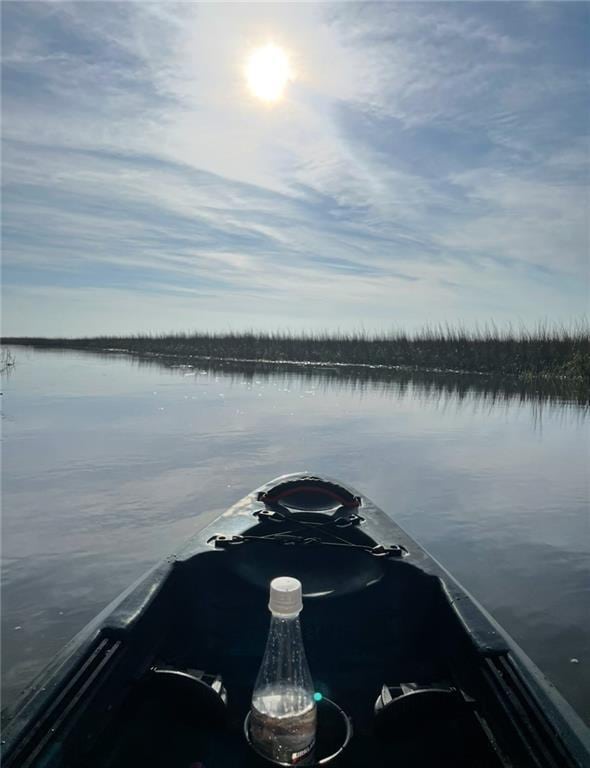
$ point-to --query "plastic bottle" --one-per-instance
(283, 713)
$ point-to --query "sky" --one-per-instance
(428, 163)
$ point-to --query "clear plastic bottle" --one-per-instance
(283, 713)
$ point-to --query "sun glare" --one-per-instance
(267, 72)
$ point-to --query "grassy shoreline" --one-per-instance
(558, 354)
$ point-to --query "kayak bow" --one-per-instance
(420, 673)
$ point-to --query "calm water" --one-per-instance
(109, 464)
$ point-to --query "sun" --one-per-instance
(268, 71)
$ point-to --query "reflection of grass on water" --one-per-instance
(559, 353)
(434, 386)
(7, 360)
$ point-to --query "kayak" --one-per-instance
(408, 669)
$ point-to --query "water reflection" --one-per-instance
(442, 389)
(110, 461)
(436, 387)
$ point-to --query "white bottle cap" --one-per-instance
(285, 596)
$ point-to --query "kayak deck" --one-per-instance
(165, 677)
(385, 634)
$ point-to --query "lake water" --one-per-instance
(109, 464)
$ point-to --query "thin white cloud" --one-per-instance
(132, 143)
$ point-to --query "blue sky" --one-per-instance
(429, 163)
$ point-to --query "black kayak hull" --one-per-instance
(380, 612)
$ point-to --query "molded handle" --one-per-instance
(310, 493)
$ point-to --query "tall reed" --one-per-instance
(554, 351)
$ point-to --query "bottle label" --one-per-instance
(283, 739)
(297, 756)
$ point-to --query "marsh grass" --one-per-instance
(544, 352)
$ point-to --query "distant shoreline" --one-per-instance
(528, 356)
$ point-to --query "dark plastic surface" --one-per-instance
(367, 621)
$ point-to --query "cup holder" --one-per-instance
(191, 692)
(333, 732)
